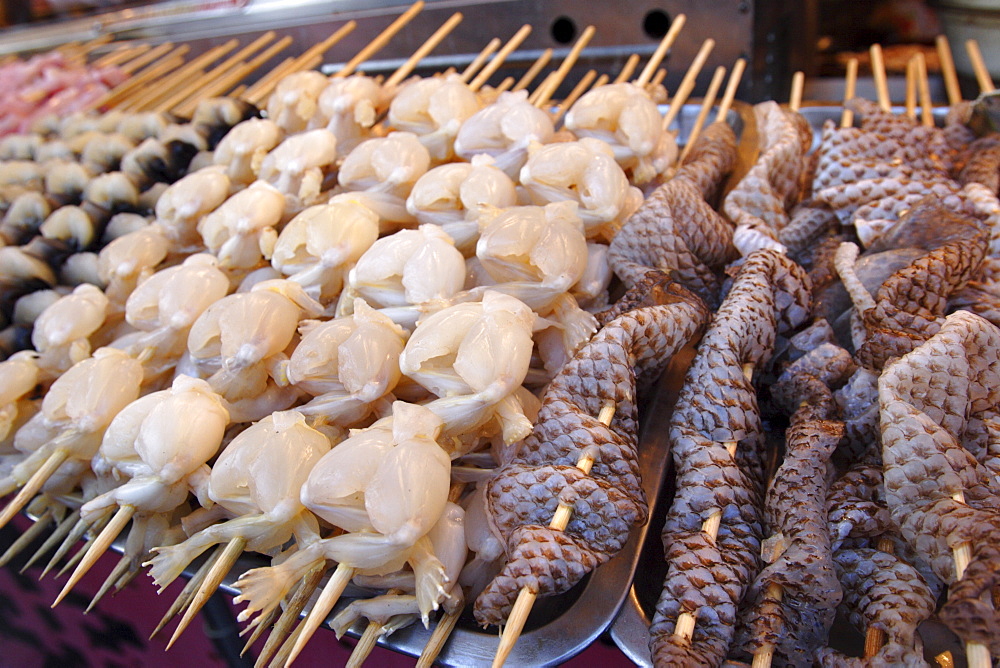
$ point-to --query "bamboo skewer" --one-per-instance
(190, 587)
(526, 597)
(798, 85)
(324, 604)
(977, 655)
(687, 83)
(948, 70)
(477, 62)
(147, 58)
(368, 639)
(69, 539)
(734, 83)
(33, 485)
(286, 622)
(874, 636)
(549, 89)
(101, 543)
(706, 107)
(116, 573)
(480, 80)
(850, 83)
(380, 40)
(25, 538)
(535, 94)
(658, 78)
(923, 86)
(504, 85)
(180, 77)
(432, 42)
(64, 527)
(121, 55)
(661, 50)
(533, 71)
(213, 579)
(582, 85)
(439, 637)
(911, 88)
(259, 90)
(628, 69)
(878, 73)
(167, 64)
(321, 48)
(979, 67)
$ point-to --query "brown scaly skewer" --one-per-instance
(526, 597)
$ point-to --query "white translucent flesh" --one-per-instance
(458, 191)
(318, 245)
(18, 376)
(296, 165)
(244, 328)
(584, 172)
(123, 261)
(350, 105)
(293, 103)
(176, 296)
(75, 316)
(534, 245)
(409, 267)
(504, 130)
(93, 391)
(431, 350)
(234, 230)
(407, 493)
(389, 165)
(244, 147)
(183, 431)
(434, 108)
(368, 359)
(117, 451)
(597, 276)
(620, 114)
(496, 350)
(183, 203)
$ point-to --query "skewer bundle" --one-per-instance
(377, 203)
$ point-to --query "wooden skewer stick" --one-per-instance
(878, 73)
(262, 87)
(97, 548)
(477, 62)
(658, 78)
(70, 539)
(977, 654)
(850, 83)
(79, 554)
(979, 66)
(911, 87)
(320, 48)
(229, 79)
(324, 604)
(147, 58)
(211, 583)
(763, 657)
(64, 527)
(948, 70)
(504, 85)
(549, 88)
(535, 94)
(190, 587)
(286, 622)
(168, 63)
(628, 69)
(533, 71)
(661, 50)
(439, 637)
(25, 538)
(706, 107)
(582, 85)
(734, 83)
(122, 54)
(180, 77)
(687, 83)
(480, 80)
(526, 597)
(798, 85)
(380, 40)
(117, 572)
(684, 628)
(33, 485)
(425, 48)
(923, 86)
(875, 637)
(368, 639)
